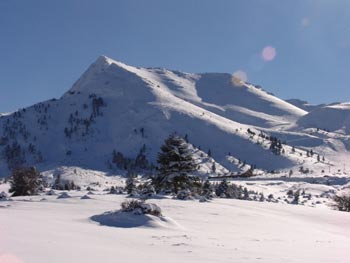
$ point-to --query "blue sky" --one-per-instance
(45, 45)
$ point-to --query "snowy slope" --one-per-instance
(302, 104)
(114, 106)
(46, 229)
(334, 117)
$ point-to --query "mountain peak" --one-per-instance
(98, 71)
(104, 61)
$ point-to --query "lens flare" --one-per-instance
(239, 77)
(268, 53)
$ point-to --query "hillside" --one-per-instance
(302, 104)
(335, 117)
(118, 107)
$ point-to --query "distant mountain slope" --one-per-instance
(118, 107)
(304, 104)
(334, 117)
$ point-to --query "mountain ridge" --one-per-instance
(114, 106)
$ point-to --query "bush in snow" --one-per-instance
(70, 185)
(176, 163)
(290, 193)
(60, 184)
(296, 197)
(203, 199)
(146, 190)
(262, 197)
(140, 208)
(184, 194)
(226, 190)
(26, 181)
(116, 190)
(51, 192)
(342, 202)
(235, 192)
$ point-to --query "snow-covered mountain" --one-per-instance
(335, 117)
(118, 107)
(302, 104)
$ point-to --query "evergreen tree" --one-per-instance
(176, 163)
(25, 181)
(147, 190)
(130, 184)
(58, 184)
(213, 167)
(221, 189)
(186, 138)
(207, 189)
(209, 153)
(245, 194)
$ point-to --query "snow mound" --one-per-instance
(51, 192)
(63, 195)
(130, 220)
(85, 197)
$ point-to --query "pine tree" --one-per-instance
(176, 163)
(213, 167)
(130, 184)
(58, 184)
(207, 189)
(245, 194)
(209, 153)
(147, 190)
(221, 189)
(25, 181)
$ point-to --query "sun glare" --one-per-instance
(268, 53)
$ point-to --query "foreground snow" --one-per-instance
(60, 230)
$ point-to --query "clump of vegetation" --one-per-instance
(116, 190)
(342, 202)
(139, 207)
(228, 190)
